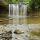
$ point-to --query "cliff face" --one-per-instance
(3, 6)
(3, 2)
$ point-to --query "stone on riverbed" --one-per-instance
(18, 31)
(1, 20)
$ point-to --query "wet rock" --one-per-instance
(7, 35)
(18, 32)
(26, 35)
(1, 20)
(15, 38)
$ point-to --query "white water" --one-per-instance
(14, 12)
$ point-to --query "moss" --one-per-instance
(35, 33)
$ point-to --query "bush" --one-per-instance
(34, 4)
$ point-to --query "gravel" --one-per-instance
(26, 28)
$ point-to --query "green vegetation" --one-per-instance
(26, 1)
(34, 4)
(6, 2)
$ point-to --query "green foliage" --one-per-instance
(15, 1)
(26, 1)
(6, 2)
(10, 1)
(34, 4)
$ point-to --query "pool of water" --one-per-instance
(27, 20)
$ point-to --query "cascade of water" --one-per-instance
(25, 9)
(14, 13)
(24, 13)
(10, 10)
(17, 10)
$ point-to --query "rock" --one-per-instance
(1, 20)
(18, 32)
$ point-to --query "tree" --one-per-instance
(34, 4)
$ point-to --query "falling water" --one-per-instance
(10, 10)
(14, 13)
(18, 17)
(23, 11)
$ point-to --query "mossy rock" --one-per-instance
(18, 32)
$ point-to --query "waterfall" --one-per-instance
(24, 13)
(15, 14)
(10, 10)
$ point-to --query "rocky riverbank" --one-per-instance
(20, 32)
